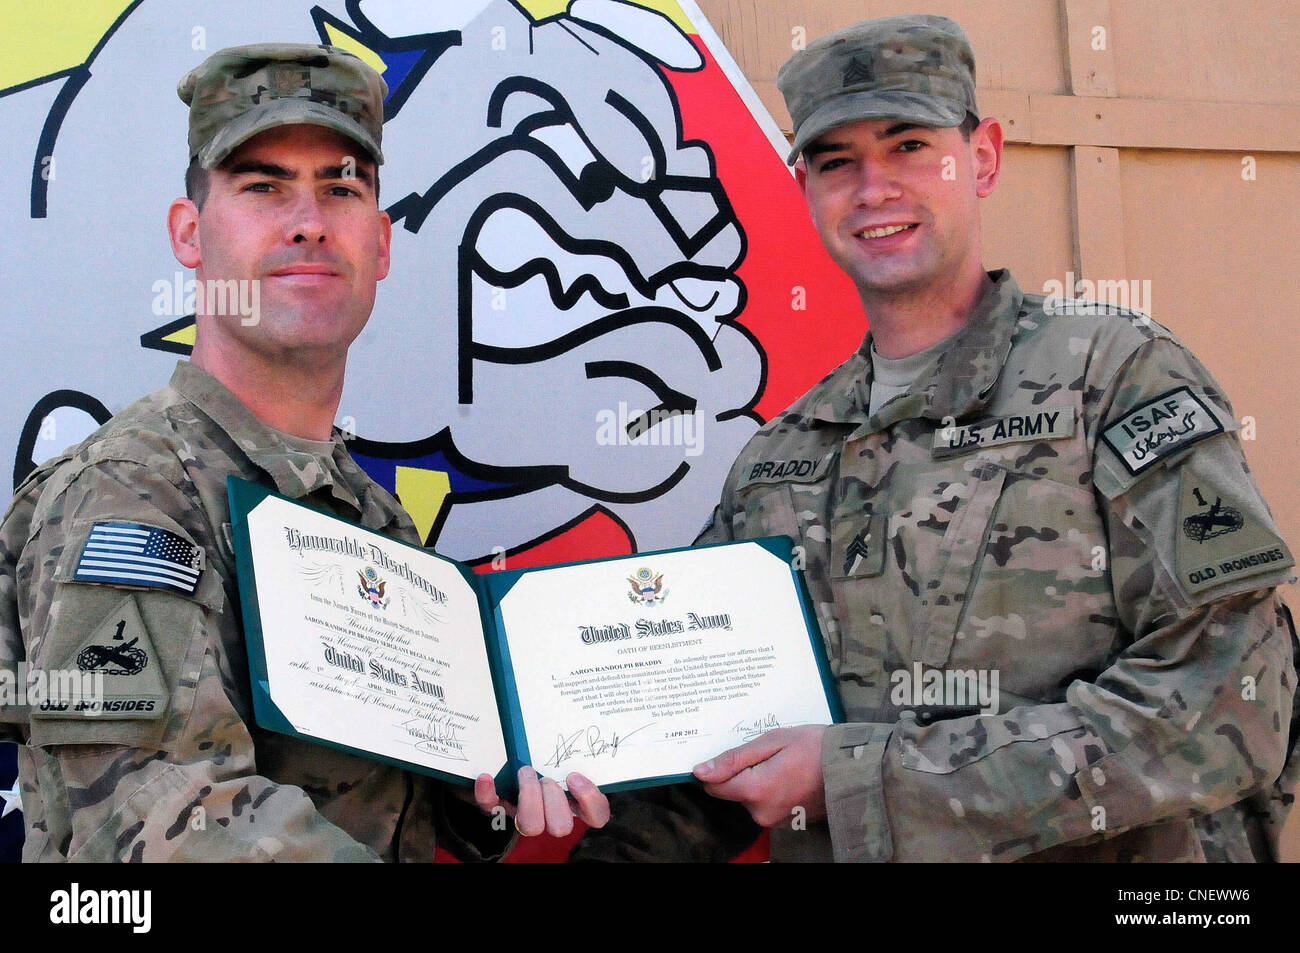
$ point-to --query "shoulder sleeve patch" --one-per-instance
(1219, 540)
(1164, 425)
(114, 672)
(137, 554)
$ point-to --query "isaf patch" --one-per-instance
(1217, 542)
(136, 554)
(114, 673)
(1170, 422)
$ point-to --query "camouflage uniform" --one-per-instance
(1141, 699)
(101, 789)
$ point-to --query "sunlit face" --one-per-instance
(896, 204)
(294, 210)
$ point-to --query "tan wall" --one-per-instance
(1128, 163)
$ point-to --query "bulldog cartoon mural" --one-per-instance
(600, 260)
(560, 338)
(578, 259)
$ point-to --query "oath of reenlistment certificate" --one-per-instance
(628, 670)
(647, 665)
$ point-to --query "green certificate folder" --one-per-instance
(628, 670)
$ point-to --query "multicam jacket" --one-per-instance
(185, 773)
(1061, 513)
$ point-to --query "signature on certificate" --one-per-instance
(434, 736)
(751, 728)
(590, 742)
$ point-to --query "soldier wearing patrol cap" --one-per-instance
(166, 761)
(1045, 578)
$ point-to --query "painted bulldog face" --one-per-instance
(575, 255)
(556, 334)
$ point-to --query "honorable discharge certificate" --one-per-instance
(372, 644)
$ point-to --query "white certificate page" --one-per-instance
(643, 667)
(372, 644)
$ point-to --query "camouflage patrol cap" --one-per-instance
(918, 68)
(238, 92)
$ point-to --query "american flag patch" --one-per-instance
(133, 554)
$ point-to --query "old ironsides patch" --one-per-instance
(1217, 543)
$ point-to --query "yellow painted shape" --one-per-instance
(355, 47)
(541, 9)
(43, 38)
(183, 335)
(422, 493)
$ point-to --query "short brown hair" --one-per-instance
(197, 182)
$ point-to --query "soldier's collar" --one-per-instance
(839, 401)
(296, 473)
(964, 375)
(968, 371)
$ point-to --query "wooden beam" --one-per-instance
(1046, 120)
(1011, 109)
(1164, 124)
(1087, 43)
(1099, 253)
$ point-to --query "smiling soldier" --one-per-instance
(1058, 502)
(116, 556)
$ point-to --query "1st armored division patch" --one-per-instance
(114, 673)
(1217, 543)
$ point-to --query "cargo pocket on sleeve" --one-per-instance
(119, 664)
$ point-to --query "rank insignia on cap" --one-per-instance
(858, 72)
(134, 554)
